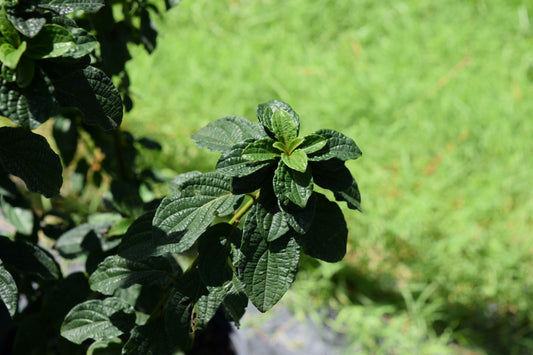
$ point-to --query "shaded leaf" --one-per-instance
(222, 134)
(8, 290)
(111, 346)
(338, 146)
(292, 186)
(326, 239)
(187, 215)
(271, 221)
(98, 320)
(51, 42)
(331, 174)
(232, 163)
(351, 195)
(213, 253)
(149, 339)
(65, 132)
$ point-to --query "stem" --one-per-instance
(238, 215)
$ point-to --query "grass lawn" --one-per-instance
(439, 97)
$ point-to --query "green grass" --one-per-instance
(439, 97)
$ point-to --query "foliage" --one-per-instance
(244, 226)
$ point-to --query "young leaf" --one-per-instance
(338, 146)
(327, 237)
(52, 41)
(261, 150)
(297, 160)
(232, 163)
(222, 134)
(64, 7)
(266, 110)
(187, 215)
(8, 290)
(284, 126)
(98, 320)
(10, 56)
(292, 186)
(294, 143)
(313, 143)
(9, 33)
(268, 268)
(351, 195)
(116, 272)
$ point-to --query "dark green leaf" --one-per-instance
(232, 163)
(29, 258)
(188, 214)
(297, 160)
(331, 174)
(111, 346)
(8, 31)
(235, 301)
(116, 272)
(51, 42)
(266, 110)
(292, 186)
(8, 290)
(20, 218)
(313, 143)
(29, 24)
(149, 339)
(268, 268)
(327, 237)
(222, 134)
(87, 237)
(93, 92)
(98, 320)
(25, 72)
(147, 31)
(65, 294)
(30, 106)
(254, 181)
(271, 221)
(284, 126)
(66, 136)
(338, 146)
(261, 150)
(351, 195)
(213, 253)
(300, 218)
(64, 7)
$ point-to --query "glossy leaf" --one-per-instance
(64, 7)
(292, 186)
(268, 268)
(28, 24)
(297, 160)
(266, 110)
(52, 41)
(98, 320)
(117, 272)
(284, 127)
(10, 56)
(8, 290)
(111, 346)
(8, 31)
(222, 134)
(294, 143)
(232, 163)
(28, 156)
(313, 143)
(187, 215)
(261, 150)
(326, 239)
(338, 146)
(351, 195)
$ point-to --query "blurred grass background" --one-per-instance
(437, 94)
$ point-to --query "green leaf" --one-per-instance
(284, 126)
(254, 181)
(29, 258)
(222, 134)
(187, 215)
(232, 163)
(292, 186)
(149, 339)
(30, 106)
(10, 56)
(65, 132)
(98, 320)
(331, 174)
(297, 160)
(8, 31)
(8, 290)
(25, 72)
(213, 253)
(326, 239)
(266, 110)
(271, 220)
(235, 301)
(20, 218)
(93, 92)
(268, 268)
(300, 218)
(261, 150)
(313, 143)
(27, 24)
(294, 143)
(28, 156)
(64, 7)
(351, 195)
(117, 272)
(52, 41)
(338, 146)
(111, 346)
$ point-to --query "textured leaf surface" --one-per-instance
(213, 253)
(8, 290)
(292, 186)
(106, 347)
(28, 25)
(326, 239)
(351, 195)
(284, 126)
(266, 110)
(296, 161)
(86, 237)
(10, 56)
(117, 272)
(52, 41)
(222, 134)
(313, 143)
(149, 339)
(268, 268)
(20, 218)
(187, 215)
(64, 7)
(271, 221)
(98, 320)
(261, 150)
(232, 163)
(338, 146)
